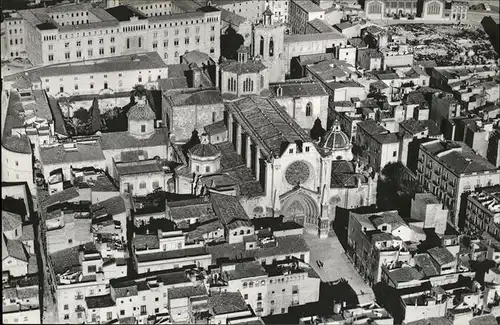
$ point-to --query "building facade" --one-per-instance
(448, 169)
(87, 33)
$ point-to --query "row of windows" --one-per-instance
(15, 31)
(16, 41)
(72, 14)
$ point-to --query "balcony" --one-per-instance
(79, 308)
(259, 310)
(294, 303)
(437, 172)
(295, 292)
(79, 297)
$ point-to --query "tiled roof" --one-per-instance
(204, 150)
(199, 97)
(15, 114)
(286, 245)
(99, 302)
(405, 274)
(125, 289)
(141, 112)
(124, 140)
(268, 124)
(112, 206)
(215, 128)
(62, 196)
(424, 264)
(28, 233)
(417, 126)
(60, 155)
(168, 255)
(138, 167)
(28, 292)
(14, 248)
(228, 208)
(143, 61)
(320, 25)
(197, 57)
(245, 270)
(19, 144)
(251, 66)
(308, 6)
(441, 255)
(10, 221)
(371, 127)
(388, 217)
(125, 12)
(191, 209)
(186, 292)
(231, 18)
(65, 260)
(239, 223)
(461, 161)
(298, 89)
(226, 302)
(149, 241)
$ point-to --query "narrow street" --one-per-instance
(47, 299)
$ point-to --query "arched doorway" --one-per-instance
(302, 209)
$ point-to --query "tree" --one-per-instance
(230, 43)
(317, 131)
(95, 117)
(82, 114)
(138, 91)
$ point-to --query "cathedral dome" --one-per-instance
(335, 138)
(141, 112)
(204, 150)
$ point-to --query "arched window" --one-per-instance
(128, 42)
(261, 82)
(214, 116)
(433, 8)
(140, 41)
(231, 84)
(309, 109)
(375, 8)
(271, 47)
(261, 46)
(248, 85)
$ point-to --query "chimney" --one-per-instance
(204, 139)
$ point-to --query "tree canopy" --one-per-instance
(317, 131)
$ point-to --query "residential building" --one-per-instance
(231, 308)
(99, 33)
(21, 303)
(482, 213)
(306, 44)
(459, 10)
(429, 212)
(377, 239)
(167, 250)
(141, 177)
(493, 151)
(78, 273)
(448, 169)
(379, 146)
(97, 76)
(318, 26)
(369, 59)
(254, 10)
(413, 133)
(17, 246)
(268, 289)
(301, 12)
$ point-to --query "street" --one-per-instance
(47, 302)
(336, 265)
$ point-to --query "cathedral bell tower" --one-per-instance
(268, 45)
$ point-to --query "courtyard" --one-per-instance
(336, 265)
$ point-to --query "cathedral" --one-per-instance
(301, 179)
